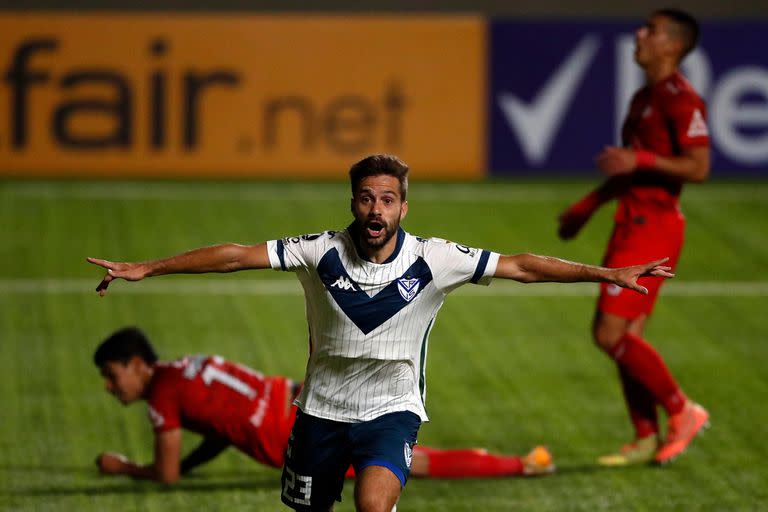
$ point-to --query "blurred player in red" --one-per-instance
(666, 144)
(230, 404)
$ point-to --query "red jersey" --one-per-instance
(665, 118)
(218, 398)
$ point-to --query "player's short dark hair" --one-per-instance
(124, 344)
(376, 165)
(687, 28)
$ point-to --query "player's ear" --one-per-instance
(137, 364)
(403, 210)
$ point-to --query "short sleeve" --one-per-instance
(163, 406)
(689, 117)
(295, 252)
(453, 264)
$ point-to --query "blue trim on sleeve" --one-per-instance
(480, 270)
(281, 253)
(385, 463)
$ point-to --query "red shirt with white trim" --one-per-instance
(219, 398)
(665, 118)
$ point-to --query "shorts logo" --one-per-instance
(408, 454)
(408, 288)
(613, 290)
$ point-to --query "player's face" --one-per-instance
(653, 41)
(124, 380)
(378, 209)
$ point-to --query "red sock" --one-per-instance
(644, 364)
(470, 463)
(641, 405)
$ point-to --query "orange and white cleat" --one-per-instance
(640, 451)
(682, 428)
(538, 462)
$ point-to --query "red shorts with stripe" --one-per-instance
(641, 237)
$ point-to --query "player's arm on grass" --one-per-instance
(217, 258)
(208, 449)
(692, 165)
(530, 268)
(165, 467)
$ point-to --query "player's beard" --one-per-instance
(386, 232)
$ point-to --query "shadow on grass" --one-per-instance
(188, 485)
(48, 468)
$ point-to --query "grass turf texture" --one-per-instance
(506, 371)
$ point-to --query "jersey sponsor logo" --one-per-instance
(408, 454)
(613, 290)
(466, 250)
(697, 128)
(343, 284)
(155, 417)
(408, 288)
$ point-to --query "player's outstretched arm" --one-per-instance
(573, 218)
(164, 469)
(530, 268)
(217, 258)
(208, 449)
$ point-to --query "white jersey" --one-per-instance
(368, 322)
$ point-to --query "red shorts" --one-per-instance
(269, 429)
(643, 237)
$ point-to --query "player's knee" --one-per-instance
(606, 337)
(372, 503)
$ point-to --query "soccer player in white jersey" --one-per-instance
(372, 293)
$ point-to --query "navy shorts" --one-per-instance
(320, 451)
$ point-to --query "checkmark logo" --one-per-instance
(535, 123)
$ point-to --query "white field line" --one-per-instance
(149, 191)
(274, 287)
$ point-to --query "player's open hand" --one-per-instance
(110, 463)
(116, 270)
(626, 277)
(613, 161)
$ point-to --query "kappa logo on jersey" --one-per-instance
(697, 128)
(343, 284)
(408, 288)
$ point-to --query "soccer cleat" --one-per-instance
(682, 428)
(538, 462)
(640, 451)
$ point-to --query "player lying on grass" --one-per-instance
(231, 404)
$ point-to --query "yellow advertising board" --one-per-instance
(234, 95)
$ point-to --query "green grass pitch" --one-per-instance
(509, 366)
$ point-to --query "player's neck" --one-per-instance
(147, 376)
(376, 255)
(659, 72)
